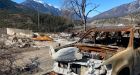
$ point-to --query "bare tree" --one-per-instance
(66, 14)
(79, 7)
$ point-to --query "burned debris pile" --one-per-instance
(107, 50)
(10, 48)
(13, 41)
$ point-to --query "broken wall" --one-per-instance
(19, 32)
(3, 31)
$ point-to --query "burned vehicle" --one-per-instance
(108, 50)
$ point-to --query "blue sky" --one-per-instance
(104, 4)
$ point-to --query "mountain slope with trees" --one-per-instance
(14, 15)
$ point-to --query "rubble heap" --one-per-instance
(15, 42)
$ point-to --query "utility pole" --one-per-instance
(38, 16)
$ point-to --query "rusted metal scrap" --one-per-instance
(121, 52)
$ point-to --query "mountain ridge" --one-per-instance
(14, 7)
(119, 11)
(41, 7)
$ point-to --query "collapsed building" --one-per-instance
(13, 42)
(108, 50)
(16, 37)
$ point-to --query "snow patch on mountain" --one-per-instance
(39, 1)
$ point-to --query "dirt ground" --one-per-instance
(45, 60)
